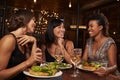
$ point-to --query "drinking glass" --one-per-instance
(43, 62)
(59, 55)
(75, 59)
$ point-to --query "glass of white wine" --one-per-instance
(75, 59)
(59, 55)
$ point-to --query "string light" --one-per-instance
(41, 20)
(70, 5)
(35, 1)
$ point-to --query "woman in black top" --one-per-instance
(15, 56)
(55, 38)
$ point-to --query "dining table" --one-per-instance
(82, 75)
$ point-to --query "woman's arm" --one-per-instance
(85, 54)
(69, 46)
(7, 45)
(112, 53)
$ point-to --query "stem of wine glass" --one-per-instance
(74, 72)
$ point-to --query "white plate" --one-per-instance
(68, 67)
(80, 67)
(56, 75)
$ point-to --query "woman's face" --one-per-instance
(93, 28)
(31, 25)
(59, 31)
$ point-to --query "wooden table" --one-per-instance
(84, 75)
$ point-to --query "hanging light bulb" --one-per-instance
(70, 4)
(35, 1)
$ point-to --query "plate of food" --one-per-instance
(65, 66)
(89, 66)
(42, 75)
(45, 71)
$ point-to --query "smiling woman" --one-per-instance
(55, 38)
(15, 56)
(100, 46)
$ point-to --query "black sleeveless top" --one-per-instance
(16, 58)
(49, 58)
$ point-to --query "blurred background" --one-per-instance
(73, 12)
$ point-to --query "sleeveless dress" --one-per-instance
(49, 58)
(16, 58)
(101, 54)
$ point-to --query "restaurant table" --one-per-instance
(83, 75)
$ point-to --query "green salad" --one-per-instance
(51, 67)
(92, 64)
(59, 65)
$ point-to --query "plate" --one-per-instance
(65, 67)
(80, 67)
(56, 75)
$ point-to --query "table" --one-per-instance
(84, 75)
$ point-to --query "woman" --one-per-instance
(13, 47)
(55, 38)
(100, 47)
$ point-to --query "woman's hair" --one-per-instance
(49, 35)
(19, 19)
(102, 20)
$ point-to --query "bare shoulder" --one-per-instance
(69, 42)
(8, 40)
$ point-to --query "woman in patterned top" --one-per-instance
(100, 47)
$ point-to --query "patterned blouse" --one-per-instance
(101, 53)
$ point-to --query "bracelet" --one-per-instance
(110, 69)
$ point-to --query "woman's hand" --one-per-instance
(24, 39)
(60, 42)
(101, 71)
(36, 56)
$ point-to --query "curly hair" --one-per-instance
(102, 20)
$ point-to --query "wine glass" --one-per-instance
(43, 62)
(59, 55)
(75, 59)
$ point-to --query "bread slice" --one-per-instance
(38, 73)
